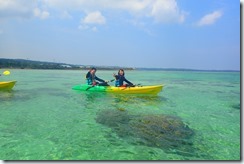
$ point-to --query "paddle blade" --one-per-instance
(6, 72)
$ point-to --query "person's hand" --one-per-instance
(94, 83)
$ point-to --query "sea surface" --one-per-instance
(195, 117)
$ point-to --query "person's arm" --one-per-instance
(128, 82)
(116, 77)
(88, 74)
(98, 79)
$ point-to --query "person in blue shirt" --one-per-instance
(120, 79)
(91, 78)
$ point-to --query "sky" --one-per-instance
(202, 34)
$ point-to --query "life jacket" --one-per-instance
(91, 79)
(117, 83)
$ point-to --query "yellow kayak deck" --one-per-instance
(137, 89)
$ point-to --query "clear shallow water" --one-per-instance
(43, 119)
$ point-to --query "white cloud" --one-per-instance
(22, 9)
(166, 11)
(210, 18)
(16, 9)
(94, 18)
(41, 14)
(161, 11)
(133, 6)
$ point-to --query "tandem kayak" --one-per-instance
(7, 85)
(154, 89)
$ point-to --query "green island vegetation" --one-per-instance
(30, 64)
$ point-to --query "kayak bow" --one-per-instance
(7, 85)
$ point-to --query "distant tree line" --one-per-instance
(29, 64)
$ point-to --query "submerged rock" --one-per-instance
(113, 118)
(162, 131)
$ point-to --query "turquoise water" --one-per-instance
(42, 118)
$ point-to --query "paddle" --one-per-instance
(100, 84)
(5, 73)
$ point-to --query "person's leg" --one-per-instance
(103, 84)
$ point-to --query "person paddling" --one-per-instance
(120, 78)
(91, 78)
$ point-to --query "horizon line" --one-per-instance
(148, 68)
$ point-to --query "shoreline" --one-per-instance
(135, 69)
(34, 65)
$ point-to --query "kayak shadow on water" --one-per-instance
(136, 98)
(14, 95)
(90, 100)
(137, 101)
(6, 95)
(113, 100)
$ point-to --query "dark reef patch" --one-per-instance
(166, 132)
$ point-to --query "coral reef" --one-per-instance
(162, 131)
